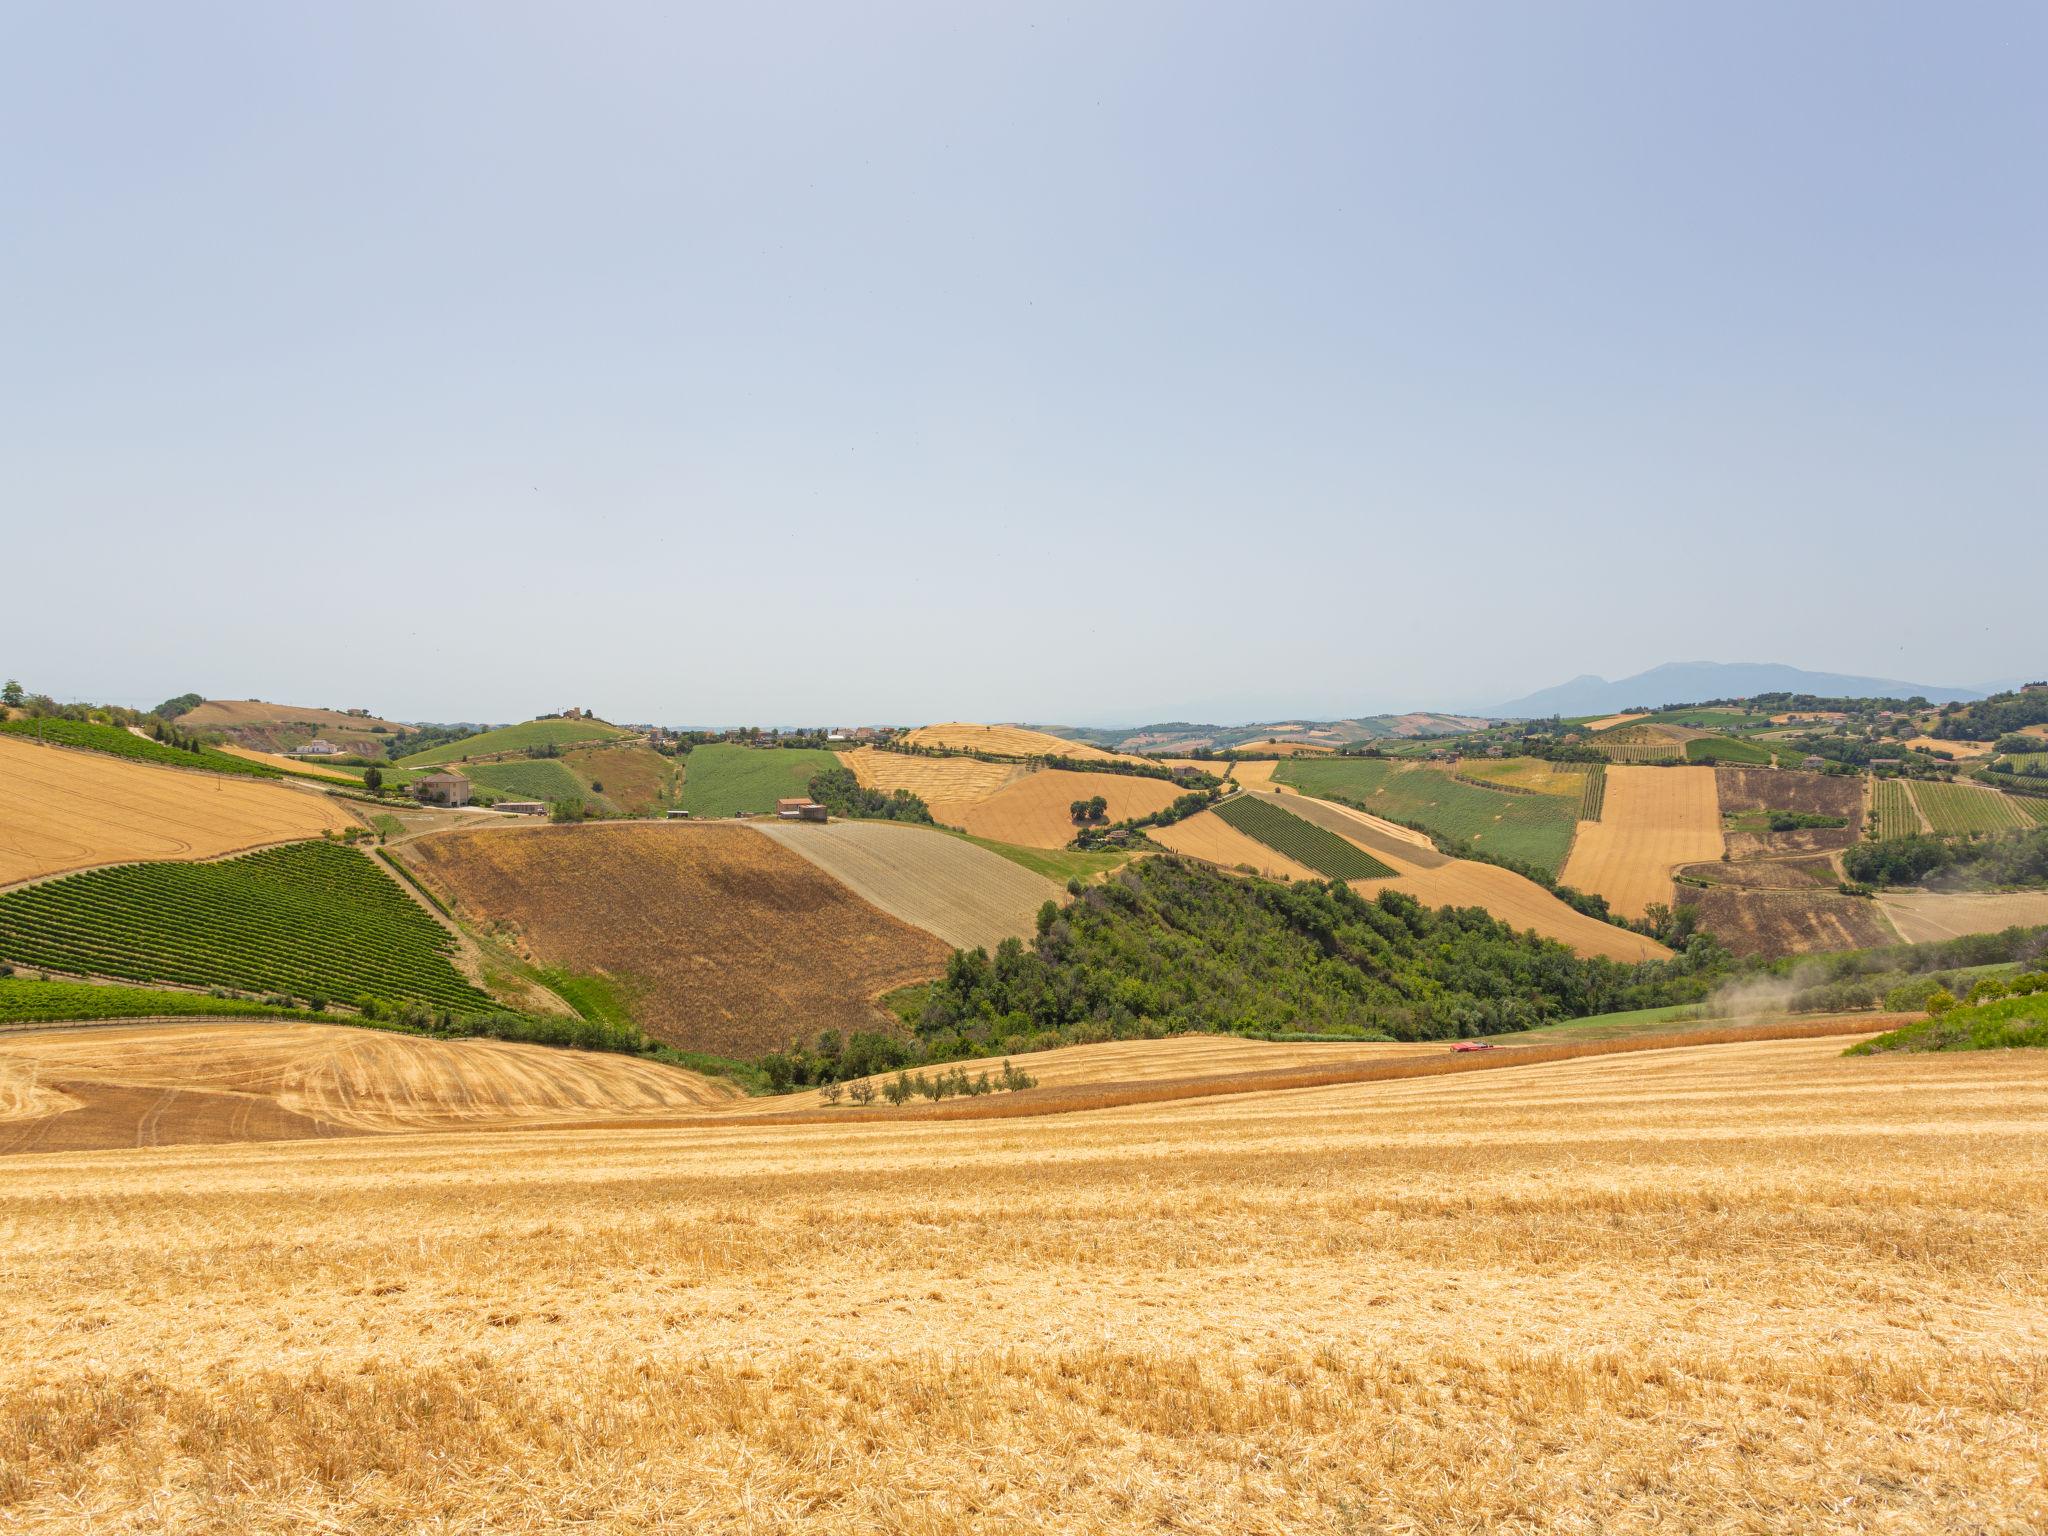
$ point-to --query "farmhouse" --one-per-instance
(524, 807)
(442, 789)
(799, 810)
(316, 748)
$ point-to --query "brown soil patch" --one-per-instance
(1767, 922)
(1782, 789)
(1767, 874)
(729, 942)
(1764, 845)
(62, 810)
(1652, 821)
(1033, 811)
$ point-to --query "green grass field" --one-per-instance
(1061, 864)
(305, 920)
(23, 1001)
(116, 741)
(1726, 749)
(541, 778)
(1306, 843)
(1956, 809)
(1529, 829)
(724, 780)
(2011, 1023)
(517, 738)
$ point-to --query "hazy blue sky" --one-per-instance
(1095, 362)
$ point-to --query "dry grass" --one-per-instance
(1653, 820)
(1921, 916)
(1675, 1290)
(62, 810)
(932, 880)
(950, 786)
(1956, 749)
(726, 941)
(1208, 836)
(1033, 811)
(1609, 722)
(637, 779)
(182, 1084)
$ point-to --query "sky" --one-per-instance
(1092, 364)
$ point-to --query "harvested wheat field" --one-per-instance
(174, 1084)
(1438, 880)
(1675, 1290)
(947, 886)
(1957, 749)
(290, 764)
(1257, 775)
(723, 940)
(1033, 812)
(1010, 740)
(1653, 820)
(949, 786)
(1286, 748)
(1609, 722)
(1208, 836)
(1921, 916)
(62, 810)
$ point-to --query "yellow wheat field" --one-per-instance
(1208, 836)
(1011, 740)
(1654, 820)
(1952, 748)
(948, 785)
(1287, 748)
(1673, 1291)
(1257, 775)
(62, 810)
(1034, 811)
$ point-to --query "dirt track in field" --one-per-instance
(965, 895)
(62, 810)
(1653, 820)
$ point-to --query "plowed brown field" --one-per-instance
(949, 786)
(1790, 922)
(174, 1084)
(1208, 836)
(1654, 820)
(63, 810)
(1033, 812)
(727, 942)
(943, 884)
(1684, 1290)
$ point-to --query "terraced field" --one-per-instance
(717, 938)
(1034, 811)
(1330, 856)
(949, 786)
(947, 886)
(1530, 829)
(1653, 820)
(63, 810)
(307, 920)
(512, 739)
(1891, 800)
(1955, 810)
(727, 780)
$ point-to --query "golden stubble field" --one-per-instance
(1653, 820)
(63, 810)
(1756, 1288)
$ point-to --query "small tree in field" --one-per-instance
(373, 780)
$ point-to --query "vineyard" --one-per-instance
(308, 920)
(1955, 810)
(537, 779)
(1891, 802)
(1640, 751)
(119, 742)
(25, 1002)
(1594, 795)
(1324, 852)
(1727, 749)
(1530, 829)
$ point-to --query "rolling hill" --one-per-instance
(518, 740)
(1685, 682)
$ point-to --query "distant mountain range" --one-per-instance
(1688, 682)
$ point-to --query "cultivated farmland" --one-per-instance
(514, 740)
(727, 780)
(117, 741)
(540, 778)
(1530, 829)
(1626, 1294)
(1209, 837)
(1925, 915)
(1533, 774)
(1955, 810)
(947, 785)
(947, 886)
(1034, 811)
(1891, 800)
(166, 1085)
(1327, 854)
(308, 920)
(1007, 741)
(720, 939)
(63, 810)
(1753, 921)
(1653, 820)
(638, 780)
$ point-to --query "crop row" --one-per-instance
(308, 919)
(1956, 809)
(1324, 852)
(118, 742)
(23, 1001)
(1593, 792)
(1527, 829)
